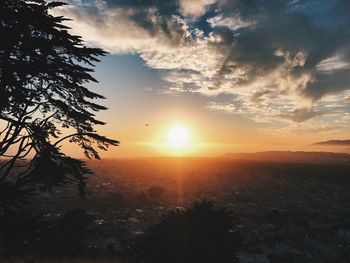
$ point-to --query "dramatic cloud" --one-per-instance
(303, 114)
(276, 59)
(194, 8)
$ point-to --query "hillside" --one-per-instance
(293, 157)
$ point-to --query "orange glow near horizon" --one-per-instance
(190, 135)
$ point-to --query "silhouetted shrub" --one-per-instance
(67, 236)
(201, 233)
(155, 192)
(23, 233)
(19, 232)
(142, 199)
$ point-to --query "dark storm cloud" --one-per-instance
(334, 82)
(140, 3)
(155, 16)
(291, 27)
(254, 8)
(260, 95)
(304, 114)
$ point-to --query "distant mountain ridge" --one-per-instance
(294, 157)
(334, 143)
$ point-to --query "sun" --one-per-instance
(178, 137)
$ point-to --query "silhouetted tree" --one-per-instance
(43, 101)
(201, 233)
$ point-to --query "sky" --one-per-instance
(236, 75)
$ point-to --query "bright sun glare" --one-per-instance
(178, 137)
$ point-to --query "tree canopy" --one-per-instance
(44, 100)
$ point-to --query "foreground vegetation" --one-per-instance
(285, 212)
(33, 259)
